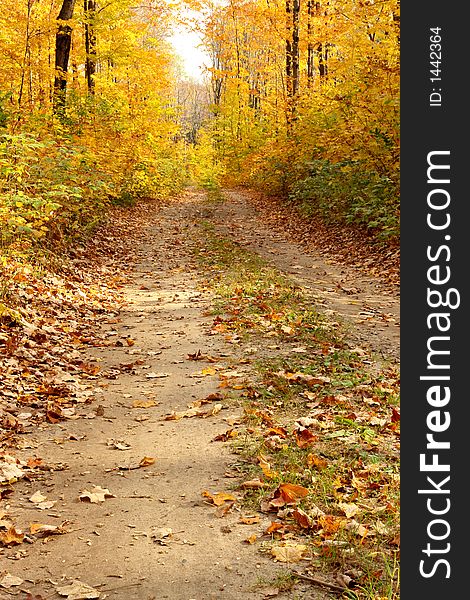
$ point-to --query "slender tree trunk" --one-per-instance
(63, 42)
(295, 49)
(292, 57)
(310, 49)
(27, 56)
(288, 50)
(90, 45)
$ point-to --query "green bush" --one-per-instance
(345, 192)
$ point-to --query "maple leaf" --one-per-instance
(219, 498)
(290, 492)
(289, 552)
(97, 494)
(11, 537)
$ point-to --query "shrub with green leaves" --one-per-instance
(345, 192)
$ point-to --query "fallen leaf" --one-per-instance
(227, 435)
(304, 437)
(221, 511)
(209, 371)
(147, 461)
(349, 509)
(289, 553)
(219, 498)
(266, 467)
(316, 461)
(37, 497)
(330, 524)
(7, 580)
(302, 518)
(97, 494)
(143, 403)
(290, 492)
(118, 444)
(253, 484)
(249, 520)
(43, 529)
(162, 535)
(252, 539)
(358, 529)
(11, 537)
(78, 591)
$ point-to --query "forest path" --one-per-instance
(156, 535)
(361, 301)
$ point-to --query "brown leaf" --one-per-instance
(304, 437)
(289, 552)
(221, 511)
(7, 580)
(219, 498)
(147, 461)
(330, 524)
(78, 591)
(97, 494)
(143, 403)
(252, 539)
(253, 484)
(316, 461)
(11, 537)
(43, 529)
(290, 492)
(280, 431)
(227, 435)
(249, 520)
(302, 518)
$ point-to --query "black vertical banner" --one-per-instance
(435, 269)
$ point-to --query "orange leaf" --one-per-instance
(304, 437)
(249, 520)
(266, 468)
(11, 537)
(219, 498)
(290, 492)
(316, 461)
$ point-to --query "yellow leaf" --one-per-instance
(289, 553)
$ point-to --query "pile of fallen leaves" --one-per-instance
(52, 309)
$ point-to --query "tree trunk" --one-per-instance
(90, 45)
(295, 49)
(310, 49)
(63, 42)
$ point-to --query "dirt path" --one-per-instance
(365, 306)
(156, 536)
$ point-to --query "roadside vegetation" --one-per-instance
(318, 450)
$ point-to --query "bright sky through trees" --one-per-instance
(187, 45)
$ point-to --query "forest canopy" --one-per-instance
(300, 99)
